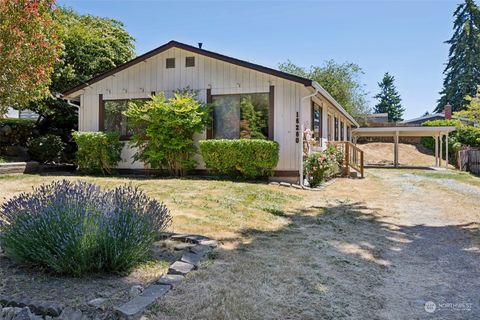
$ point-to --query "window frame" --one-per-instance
(192, 60)
(271, 103)
(101, 118)
(320, 124)
(166, 63)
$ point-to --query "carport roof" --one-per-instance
(402, 131)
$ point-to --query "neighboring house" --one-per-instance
(446, 114)
(375, 118)
(288, 102)
(21, 114)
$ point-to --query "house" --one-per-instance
(445, 115)
(288, 102)
(376, 118)
(20, 114)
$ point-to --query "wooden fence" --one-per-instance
(469, 160)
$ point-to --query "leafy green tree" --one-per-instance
(91, 45)
(389, 100)
(342, 81)
(472, 110)
(462, 73)
(165, 140)
(29, 47)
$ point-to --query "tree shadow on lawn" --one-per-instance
(328, 262)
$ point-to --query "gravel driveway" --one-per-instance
(400, 244)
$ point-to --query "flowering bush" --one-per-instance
(75, 228)
(319, 166)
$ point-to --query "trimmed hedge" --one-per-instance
(17, 132)
(98, 151)
(249, 158)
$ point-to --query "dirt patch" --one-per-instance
(381, 153)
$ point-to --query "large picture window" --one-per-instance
(113, 118)
(242, 116)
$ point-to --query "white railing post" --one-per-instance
(302, 141)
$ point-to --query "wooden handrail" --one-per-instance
(352, 156)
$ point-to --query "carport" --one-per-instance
(437, 133)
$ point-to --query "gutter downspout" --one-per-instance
(302, 129)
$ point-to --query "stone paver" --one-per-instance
(179, 267)
(134, 308)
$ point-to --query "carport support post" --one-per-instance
(446, 150)
(436, 150)
(395, 151)
(441, 151)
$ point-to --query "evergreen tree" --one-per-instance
(462, 73)
(389, 99)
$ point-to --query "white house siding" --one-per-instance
(139, 80)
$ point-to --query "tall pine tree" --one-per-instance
(389, 99)
(462, 73)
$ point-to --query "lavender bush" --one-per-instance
(76, 228)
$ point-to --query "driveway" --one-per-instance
(400, 244)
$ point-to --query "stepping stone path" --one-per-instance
(195, 246)
(189, 261)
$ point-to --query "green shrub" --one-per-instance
(320, 166)
(98, 151)
(165, 130)
(241, 157)
(17, 132)
(464, 135)
(75, 228)
(46, 148)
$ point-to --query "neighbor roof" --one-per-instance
(214, 55)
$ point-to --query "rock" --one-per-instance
(135, 291)
(179, 267)
(98, 303)
(25, 314)
(182, 246)
(211, 243)
(170, 279)
(201, 249)
(192, 258)
(135, 307)
(274, 183)
(71, 314)
(296, 186)
(9, 313)
(285, 184)
(179, 237)
(196, 238)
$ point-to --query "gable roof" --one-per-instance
(284, 75)
(211, 54)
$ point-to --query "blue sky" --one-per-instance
(405, 38)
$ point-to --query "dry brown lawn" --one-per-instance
(360, 249)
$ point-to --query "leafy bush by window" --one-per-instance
(98, 151)
(75, 228)
(46, 148)
(320, 166)
(165, 140)
(242, 157)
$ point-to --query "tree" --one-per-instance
(29, 47)
(462, 72)
(472, 110)
(389, 100)
(91, 45)
(168, 125)
(342, 81)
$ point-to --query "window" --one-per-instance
(243, 116)
(317, 121)
(329, 127)
(190, 62)
(336, 129)
(170, 63)
(342, 133)
(113, 118)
